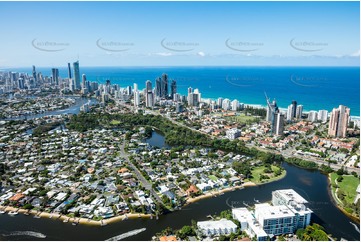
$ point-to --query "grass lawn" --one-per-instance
(242, 118)
(213, 177)
(115, 122)
(348, 186)
(257, 171)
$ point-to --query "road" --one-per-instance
(147, 185)
(286, 153)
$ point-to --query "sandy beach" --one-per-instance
(77, 220)
(118, 218)
(218, 193)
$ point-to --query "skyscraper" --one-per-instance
(278, 126)
(339, 121)
(34, 74)
(149, 97)
(69, 71)
(289, 112)
(76, 75)
(312, 116)
(322, 116)
(271, 110)
(173, 88)
(164, 86)
(235, 105)
(294, 107)
(136, 98)
(83, 80)
(299, 111)
(158, 87)
(55, 75)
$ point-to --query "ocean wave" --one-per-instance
(26, 233)
(126, 235)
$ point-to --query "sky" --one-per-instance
(51, 34)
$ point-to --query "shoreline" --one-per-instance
(334, 200)
(77, 220)
(210, 194)
(103, 222)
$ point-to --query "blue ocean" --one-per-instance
(314, 87)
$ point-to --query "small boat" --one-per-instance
(13, 213)
(2, 212)
(51, 215)
(66, 220)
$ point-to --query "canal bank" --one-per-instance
(312, 185)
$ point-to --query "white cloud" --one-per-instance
(357, 53)
(200, 53)
(164, 54)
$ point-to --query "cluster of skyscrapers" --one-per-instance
(275, 117)
(161, 91)
(338, 123)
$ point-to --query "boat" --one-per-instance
(13, 213)
(2, 212)
(66, 220)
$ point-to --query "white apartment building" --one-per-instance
(233, 133)
(220, 227)
(287, 213)
(296, 203)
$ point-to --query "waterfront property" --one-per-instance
(287, 213)
(220, 227)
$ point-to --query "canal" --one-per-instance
(312, 185)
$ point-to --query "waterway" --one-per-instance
(157, 140)
(73, 109)
(312, 185)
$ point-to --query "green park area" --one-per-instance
(344, 190)
(115, 122)
(263, 174)
(242, 118)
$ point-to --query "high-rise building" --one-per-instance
(190, 97)
(338, 121)
(322, 116)
(158, 87)
(149, 97)
(278, 123)
(76, 75)
(135, 87)
(34, 75)
(55, 75)
(164, 86)
(294, 107)
(226, 104)
(235, 105)
(312, 116)
(271, 110)
(299, 111)
(83, 80)
(173, 88)
(136, 98)
(219, 102)
(289, 112)
(69, 71)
